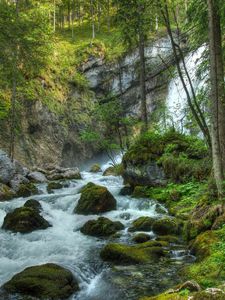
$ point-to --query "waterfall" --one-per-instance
(176, 101)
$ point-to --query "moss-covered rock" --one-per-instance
(24, 220)
(168, 238)
(141, 238)
(142, 224)
(95, 199)
(210, 294)
(219, 222)
(6, 193)
(124, 254)
(34, 204)
(165, 296)
(95, 168)
(54, 185)
(27, 190)
(102, 227)
(47, 281)
(115, 170)
(165, 226)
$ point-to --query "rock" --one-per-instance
(17, 181)
(168, 238)
(47, 281)
(95, 199)
(125, 216)
(219, 222)
(160, 209)
(142, 224)
(37, 177)
(209, 294)
(7, 169)
(63, 174)
(110, 171)
(141, 238)
(123, 254)
(24, 220)
(190, 285)
(201, 246)
(27, 190)
(102, 227)
(20, 169)
(34, 204)
(95, 168)
(165, 226)
(6, 193)
(126, 190)
(54, 186)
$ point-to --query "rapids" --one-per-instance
(65, 245)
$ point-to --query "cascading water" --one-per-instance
(65, 245)
(176, 101)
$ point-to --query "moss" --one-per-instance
(116, 170)
(54, 185)
(141, 238)
(174, 296)
(24, 220)
(165, 226)
(102, 227)
(34, 204)
(168, 238)
(95, 199)
(26, 190)
(142, 224)
(45, 282)
(95, 168)
(6, 193)
(123, 254)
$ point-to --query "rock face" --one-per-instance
(24, 220)
(7, 169)
(142, 224)
(37, 177)
(123, 254)
(95, 199)
(102, 227)
(47, 281)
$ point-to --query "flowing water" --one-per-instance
(65, 245)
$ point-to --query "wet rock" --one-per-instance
(34, 204)
(27, 190)
(37, 177)
(54, 185)
(124, 254)
(190, 285)
(142, 224)
(17, 181)
(141, 238)
(165, 226)
(7, 169)
(24, 220)
(59, 173)
(126, 190)
(6, 193)
(95, 168)
(47, 281)
(168, 238)
(125, 216)
(102, 227)
(95, 199)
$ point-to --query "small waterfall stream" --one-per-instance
(65, 245)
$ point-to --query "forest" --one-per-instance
(112, 149)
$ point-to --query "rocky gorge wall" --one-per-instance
(47, 137)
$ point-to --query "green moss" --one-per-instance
(46, 281)
(141, 238)
(165, 226)
(6, 193)
(54, 185)
(173, 296)
(26, 190)
(95, 199)
(102, 227)
(34, 204)
(95, 168)
(116, 170)
(142, 224)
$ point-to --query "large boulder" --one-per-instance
(59, 173)
(33, 204)
(165, 226)
(95, 199)
(141, 238)
(142, 224)
(6, 193)
(7, 169)
(47, 281)
(95, 168)
(54, 185)
(26, 190)
(124, 254)
(37, 177)
(102, 227)
(24, 220)
(17, 181)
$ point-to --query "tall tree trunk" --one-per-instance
(144, 113)
(217, 94)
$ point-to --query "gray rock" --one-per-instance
(17, 180)
(7, 169)
(37, 177)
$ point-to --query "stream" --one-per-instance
(65, 245)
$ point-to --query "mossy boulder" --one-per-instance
(47, 281)
(124, 254)
(165, 226)
(24, 220)
(54, 185)
(95, 168)
(201, 246)
(142, 224)
(102, 227)
(141, 238)
(34, 204)
(168, 238)
(95, 199)
(27, 190)
(6, 193)
(115, 170)
(173, 296)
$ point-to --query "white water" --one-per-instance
(176, 101)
